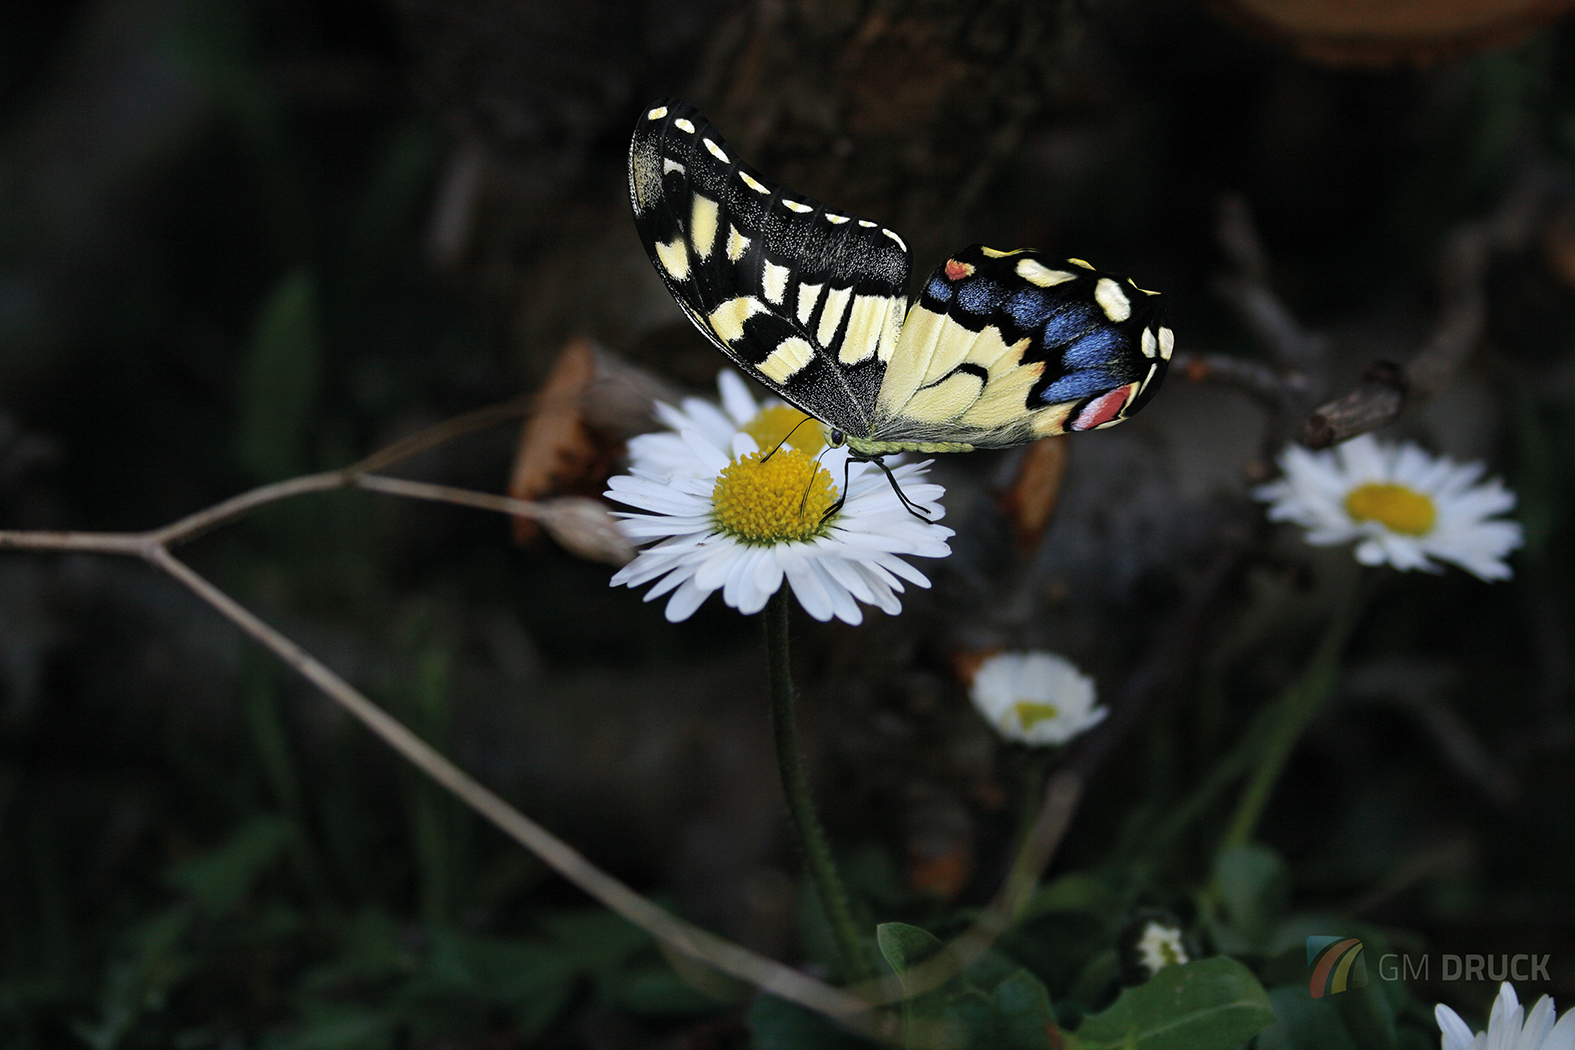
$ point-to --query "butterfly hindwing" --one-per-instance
(806, 299)
(1005, 347)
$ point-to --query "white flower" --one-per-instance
(1505, 1030)
(1405, 506)
(729, 519)
(1035, 697)
(1161, 946)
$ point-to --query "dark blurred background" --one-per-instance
(241, 241)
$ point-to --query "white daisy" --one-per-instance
(1404, 506)
(1035, 698)
(1506, 1030)
(1161, 945)
(729, 519)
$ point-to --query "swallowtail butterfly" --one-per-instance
(1000, 348)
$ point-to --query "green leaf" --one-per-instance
(1253, 884)
(992, 1005)
(595, 939)
(776, 1024)
(658, 990)
(1073, 892)
(340, 1029)
(1210, 1004)
(1304, 1023)
(222, 878)
(140, 983)
(279, 380)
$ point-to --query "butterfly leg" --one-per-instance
(842, 497)
(881, 463)
(904, 500)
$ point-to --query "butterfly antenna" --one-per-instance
(784, 440)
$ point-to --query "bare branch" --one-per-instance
(437, 434)
(1462, 268)
(581, 525)
(1379, 399)
(1261, 311)
(153, 546)
(193, 525)
(447, 494)
(1260, 381)
(856, 1009)
(732, 959)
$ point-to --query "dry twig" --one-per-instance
(1385, 388)
(856, 1009)
(154, 546)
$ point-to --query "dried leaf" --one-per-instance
(966, 662)
(1031, 500)
(944, 876)
(558, 450)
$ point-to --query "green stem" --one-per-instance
(1024, 871)
(1293, 711)
(856, 964)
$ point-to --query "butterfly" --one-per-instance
(1000, 347)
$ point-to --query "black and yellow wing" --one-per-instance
(806, 299)
(1002, 348)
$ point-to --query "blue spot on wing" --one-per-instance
(1077, 386)
(1101, 346)
(980, 296)
(1068, 324)
(1026, 309)
(939, 288)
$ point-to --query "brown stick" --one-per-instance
(1385, 389)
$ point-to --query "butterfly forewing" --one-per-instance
(1005, 347)
(806, 299)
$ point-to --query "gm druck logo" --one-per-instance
(1336, 965)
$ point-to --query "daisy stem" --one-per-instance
(856, 965)
(1025, 869)
(1295, 709)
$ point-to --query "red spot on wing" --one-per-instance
(1102, 409)
(956, 271)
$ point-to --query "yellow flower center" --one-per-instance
(771, 426)
(1395, 507)
(776, 501)
(1031, 714)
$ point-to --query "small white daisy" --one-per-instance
(1404, 506)
(1509, 1026)
(1161, 945)
(1035, 698)
(728, 519)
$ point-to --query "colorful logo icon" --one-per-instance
(1336, 965)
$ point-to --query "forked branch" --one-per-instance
(587, 529)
